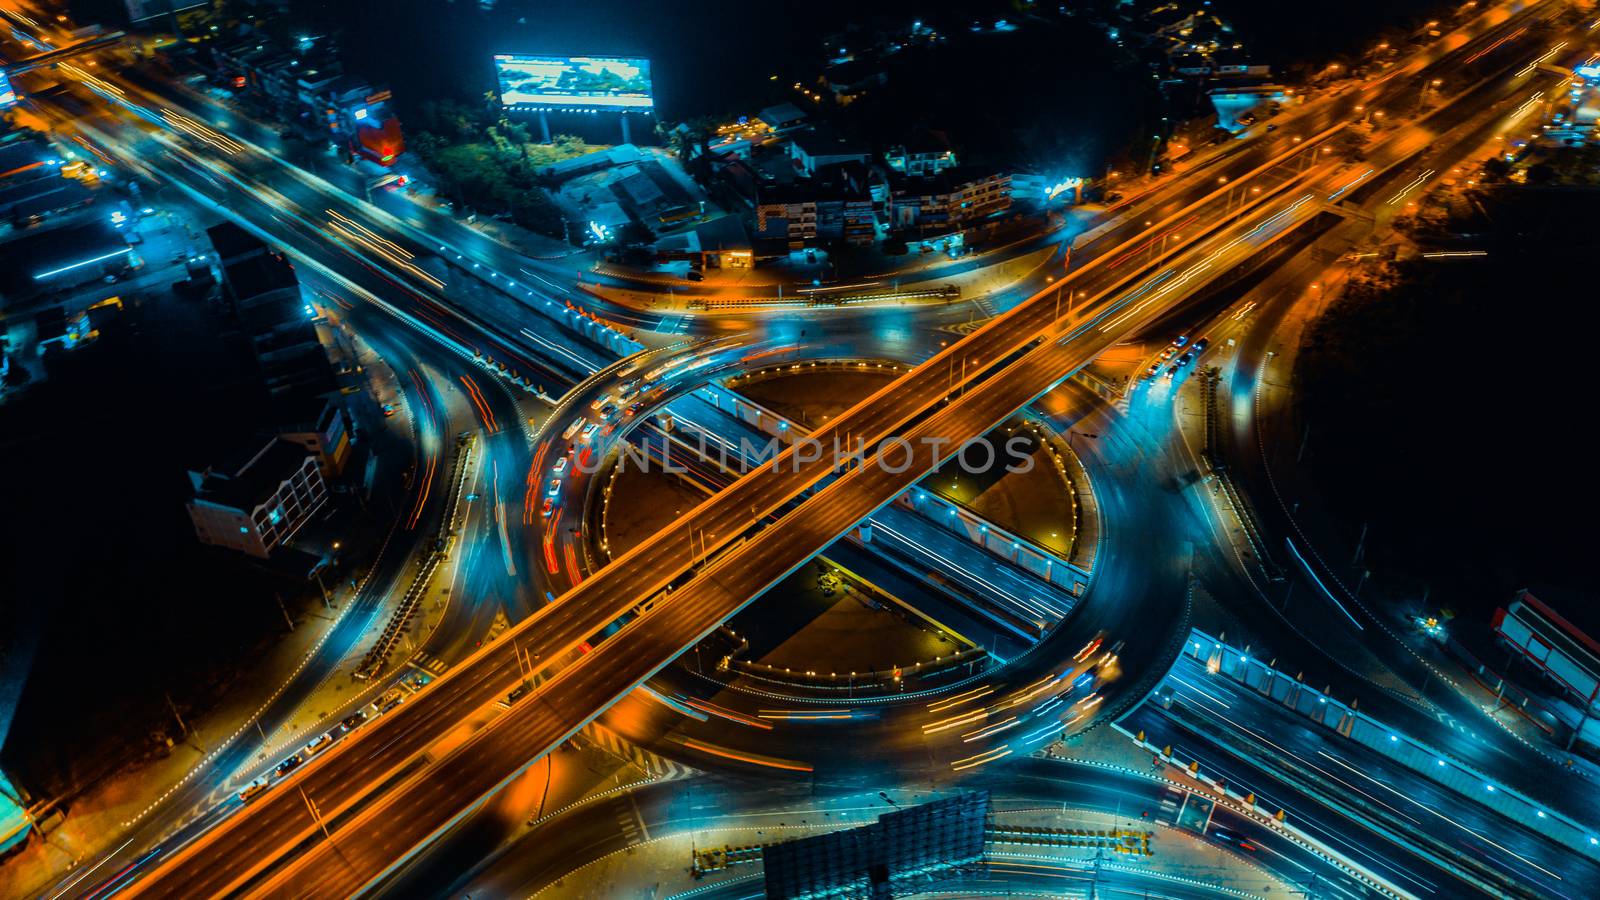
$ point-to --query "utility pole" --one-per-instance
(1361, 545)
(316, 814)
(327, 602)
(183, 728)
(285, 610)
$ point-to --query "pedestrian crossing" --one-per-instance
(613, 744)
(427, 662)
(628, 821)
(1118, 397)
(499, 626)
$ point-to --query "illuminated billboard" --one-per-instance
(8, 97)
(574, 82)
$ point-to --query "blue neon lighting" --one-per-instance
(78, 265)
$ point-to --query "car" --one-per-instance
(1180, 340)
(549, 506)
(634, 409)
(517, 693)
(252, 789)
(1169, 353)
(1200, 345)
(590, 429)
(1154, 370)
(354, 720)
(599, 402)
(609, 411)
(317, 744)
(572, 429)
(1272, 127)
(1088, 649)
(695, 276)
(560, 466)
(1172, 371)
(555, 488)
(388, 410)
(1184, 360)
(289, 765)
(392, 698)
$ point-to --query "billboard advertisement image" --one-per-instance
(578, 82)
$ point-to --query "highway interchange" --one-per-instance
(434, 301)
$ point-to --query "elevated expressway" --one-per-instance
(382, 792)
(714, 564)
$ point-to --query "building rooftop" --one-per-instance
(263, 273)
(233, 242)
(24, 156)
(946, 182)
(58, 254)
(823, 140)
(649, 189)
(783, 115)
(21, 199)
(620, 155)
(250, 480)
(725, 233)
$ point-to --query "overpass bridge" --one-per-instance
(381, 788)
(677, 587)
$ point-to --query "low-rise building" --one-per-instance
(264, 296)
(724, 244)
(782, 116)
(819, 147)
(32, 185)
(256, 506)
(318, 424)
(836, 206)
(55, 260)
(360, 118)
(925, 153)
(308, 87)
(787, 213)
(948, 201)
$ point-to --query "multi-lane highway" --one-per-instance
(401, 820)
(1270, 185)
(1372, 807)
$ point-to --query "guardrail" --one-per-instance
(1346, 720)
(1212, 451)
(378, 656)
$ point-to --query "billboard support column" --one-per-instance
(626, 137)
(544, 127)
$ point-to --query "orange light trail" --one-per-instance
(693, 744)
(481, 404)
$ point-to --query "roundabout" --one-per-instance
(956, 626)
